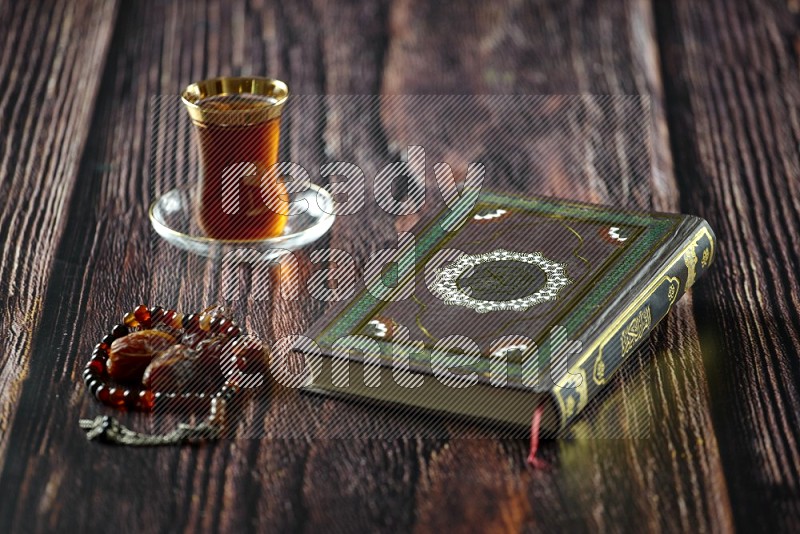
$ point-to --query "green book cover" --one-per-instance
(493, 307)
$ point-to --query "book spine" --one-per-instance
(608, 351)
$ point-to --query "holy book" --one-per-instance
(495, 307)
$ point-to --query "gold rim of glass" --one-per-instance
(255, 111)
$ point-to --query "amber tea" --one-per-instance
(238, 127)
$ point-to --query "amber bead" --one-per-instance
(204, 321)
(247, 354)
(119, 331)
(173, 320)
(130, 320)
(142, 315)
(116, 397)
(146, 400)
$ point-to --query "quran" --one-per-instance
(495, 306)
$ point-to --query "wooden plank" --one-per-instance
(369, 483)
(46, 104)
(557, 47)
(733, 91)
(158, 48)
(106, 268)
(298, 484)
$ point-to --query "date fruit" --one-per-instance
(182, 369)
(130, 355)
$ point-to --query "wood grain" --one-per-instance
(594, 480)
(45, 121)
(735, 86)
(157, 48)
(107, 265)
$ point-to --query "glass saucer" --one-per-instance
(173, 217)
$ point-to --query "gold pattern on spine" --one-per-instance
(566, 409)
(599, 373)
(690, 259)
(635, 330)
(577, 393)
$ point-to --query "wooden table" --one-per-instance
(724, 449)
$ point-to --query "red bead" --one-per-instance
(233, 331)
(102, 394)
(116, 397)
(142, 315)
(219, 324)
(190, 322)
(96, 366)
(89, 376)
(146, 400)
(156, 314)
(119, 331)
(130, 397)
(101, 347)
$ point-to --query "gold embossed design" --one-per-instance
(635, 330)
(599, 373)
(576, 388)
(690, 259)
(641, 300)
(672, 292)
